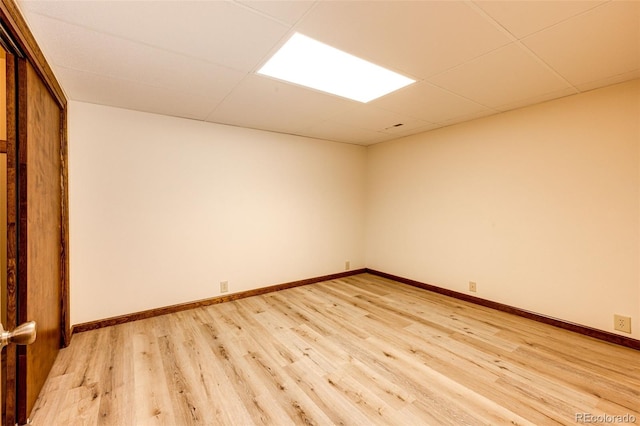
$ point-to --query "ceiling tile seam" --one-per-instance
(310, 89)
(497, 25)
(294, 29)
(415, 130)
(513, 39)
(461, 64)
(444, 89)
(450, 92)
(29, 25)
(308, 12)
(271, 51)
(522, 42)
(279, 132)
(588, 83)
(494, 20)
(127, 80)
(276, 46)
(323, 119)
(363, 144)
(412, 117)
(603, 3)
(544, 63)
(273, 18)
(464, 117)
(360, 143)
(432, 122)
(140, 43)
(260, 13)
(144, 111)
(110, 76)
(331, 118)
(382, 131)
(224, 98)
(250, 74)
(249, 127)
(526, 102)
(518, 42)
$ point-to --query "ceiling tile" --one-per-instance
(522, 18)
(418, 38)
(286, 11)
(632, 75)
(218, 31)
(366, 116)
(77, 48)
(507, 75)
(601, 43)
(102, 90)
(469, 117)
(389, 137)
(538, 99)
(333, 131)
(264, 103)
(430, 103)
(399, 133)
(196, 59)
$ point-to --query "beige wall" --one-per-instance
(539, 206)
(162, 209)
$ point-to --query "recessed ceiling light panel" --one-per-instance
(307, 62)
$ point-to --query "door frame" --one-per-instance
(22, 44)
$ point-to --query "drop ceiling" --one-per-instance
(197, 59)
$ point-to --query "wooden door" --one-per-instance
(37, 215)
(3, 205)
(40, 233)
(9, 358)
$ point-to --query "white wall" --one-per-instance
(539, 206)
(162, 209)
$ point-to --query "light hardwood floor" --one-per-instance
(361, 350)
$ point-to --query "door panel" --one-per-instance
(40, 199)
(37, 281)
(3, 204)
(9, 353)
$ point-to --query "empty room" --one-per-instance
(230, 212)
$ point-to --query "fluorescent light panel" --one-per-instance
(307, 62)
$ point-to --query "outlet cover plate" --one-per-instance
(622, 323)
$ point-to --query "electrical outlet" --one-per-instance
(622, 323)
(347, 265)
(224, 286)
(472, 286)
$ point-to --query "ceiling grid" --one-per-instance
(198, 60)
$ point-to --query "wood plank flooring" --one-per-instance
(360, 350)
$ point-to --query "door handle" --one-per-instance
(24, 334)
